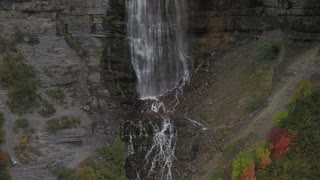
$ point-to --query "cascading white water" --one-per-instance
(158, 54)
(164, 142)
(157, 46)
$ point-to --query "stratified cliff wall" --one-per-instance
(215, 23)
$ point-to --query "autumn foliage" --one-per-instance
(249, 173)
(265, 161)
(291, 149)
(281, 140)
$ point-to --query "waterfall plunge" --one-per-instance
(157, 45)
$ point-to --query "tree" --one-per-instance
(263, 155)
(280, 119)
(275, 135)
(243, 160)
(249, 173)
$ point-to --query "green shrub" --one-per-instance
(65, 122)
(23, 97)
(21, 123)
(21, 80)
(15, 72)
(47, 109)
(269, 51)
(243, 160)
(280, 118)
(115, 156)
(305, 89)
(56, 94)
(86, 173)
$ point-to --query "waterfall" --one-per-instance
(156, 40)
(158, 54)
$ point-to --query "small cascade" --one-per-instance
(152, 142)
(161, 154)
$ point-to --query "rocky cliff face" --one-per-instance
(72, 42)
(223, 21)
(83, 50)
